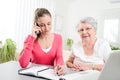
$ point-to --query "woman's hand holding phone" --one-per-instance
(36, 31)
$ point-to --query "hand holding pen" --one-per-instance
(59, 70)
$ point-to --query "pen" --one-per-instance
(58, 69)
(62, 79)
(42, 70)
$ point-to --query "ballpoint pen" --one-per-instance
(58, 68)
(42, 70)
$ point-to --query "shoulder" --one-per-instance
(102, 41)
(57, 36)
(77, 44)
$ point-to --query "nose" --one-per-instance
(46, 27)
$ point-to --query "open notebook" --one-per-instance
(47, 72)
(41, 71)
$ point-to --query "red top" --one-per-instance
(33, 52)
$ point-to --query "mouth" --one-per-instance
(46, 31)
(85, 36)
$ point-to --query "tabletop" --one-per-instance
(9, 71)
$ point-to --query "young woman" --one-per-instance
(43, 46)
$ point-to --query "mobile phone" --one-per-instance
(38, 33)
(37, 24)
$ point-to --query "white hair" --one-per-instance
(89, 20)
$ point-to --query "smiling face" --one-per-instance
(86, 31)
(45, 23)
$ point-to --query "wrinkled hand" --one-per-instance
(99, 67)
(59, 70)
(77, 66)
(80, 66)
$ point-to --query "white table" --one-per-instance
(9, 71)
(84, 75)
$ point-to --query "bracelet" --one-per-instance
(93, 67)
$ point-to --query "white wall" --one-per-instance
(7, 19)
(61, 10)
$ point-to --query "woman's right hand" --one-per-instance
(35, 30)
(59, 70)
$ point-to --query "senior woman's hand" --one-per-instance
(79, 66)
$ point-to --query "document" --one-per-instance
(41, 71)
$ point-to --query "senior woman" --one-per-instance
(91, 52)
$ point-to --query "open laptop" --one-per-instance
(111, 70)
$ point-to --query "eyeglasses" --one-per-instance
(86, 29)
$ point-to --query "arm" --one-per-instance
(59, 54)
(76, 66)
(26, 53)
(82, 66)
(59, 67)
(98, 67)
(105, 50)
(90, 66)
(69, 62)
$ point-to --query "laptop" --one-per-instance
(111, 70)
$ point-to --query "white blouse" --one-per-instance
(101, 52)
(46, 50)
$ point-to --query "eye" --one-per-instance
(49, 24)
(80, 30)
(41, 25)
(88, 28)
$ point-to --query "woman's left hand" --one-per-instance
(59, 70)
(81, 66)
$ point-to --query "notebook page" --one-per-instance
(50, 74)
(33, 70)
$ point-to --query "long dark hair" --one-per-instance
(40, 12)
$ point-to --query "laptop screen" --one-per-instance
(111, 70)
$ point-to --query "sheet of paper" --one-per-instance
(33, 70)
(50, 74)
